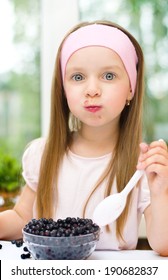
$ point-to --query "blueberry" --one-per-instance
(25, 256)
(25, 249)
(53, 232)
(70, 226)
(18, 242)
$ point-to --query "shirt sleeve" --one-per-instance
(144, 194)
(31, 161)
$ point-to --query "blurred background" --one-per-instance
(30, 33)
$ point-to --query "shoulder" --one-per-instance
(31, 161)
(35, 145)
(34, 150)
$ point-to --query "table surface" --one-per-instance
(9, 251)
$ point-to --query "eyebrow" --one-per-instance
(111, 67)
(81, 69)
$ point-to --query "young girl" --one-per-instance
(94, 143)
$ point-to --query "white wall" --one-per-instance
(57, 17)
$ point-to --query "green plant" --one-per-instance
(10, 172)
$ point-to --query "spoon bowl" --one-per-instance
(110, 208)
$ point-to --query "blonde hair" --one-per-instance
(126, 151)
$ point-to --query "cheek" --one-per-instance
(72, 100)
(118, 96)
(115, 107)
(116, 99)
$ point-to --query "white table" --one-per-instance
(9, 251)
(126, 255)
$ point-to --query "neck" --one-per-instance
(94, 142)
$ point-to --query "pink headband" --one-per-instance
(105, 36)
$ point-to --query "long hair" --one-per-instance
(126, 151)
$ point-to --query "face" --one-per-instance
(96, 86)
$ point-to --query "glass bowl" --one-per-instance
(77, 247)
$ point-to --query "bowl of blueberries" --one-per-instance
(64, 239)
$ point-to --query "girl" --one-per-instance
(92, 148)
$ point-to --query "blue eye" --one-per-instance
(77, 77)
(109, 76)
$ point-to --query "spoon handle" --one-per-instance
(132, 182)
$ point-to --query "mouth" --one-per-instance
(93, 108)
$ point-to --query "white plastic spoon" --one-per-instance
(110, 208)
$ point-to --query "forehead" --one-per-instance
(96, 55)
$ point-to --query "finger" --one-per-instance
(157, 169)
(158, 147)
(160, 143)
(155, 152)
(158, 150)
(156, 159)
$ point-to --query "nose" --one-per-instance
(93, 93)
(93, 89)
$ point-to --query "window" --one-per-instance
(19, 73)
(19, 90)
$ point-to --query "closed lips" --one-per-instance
(93, 108)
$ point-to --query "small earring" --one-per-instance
(127, 102)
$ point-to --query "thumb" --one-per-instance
(144, 147)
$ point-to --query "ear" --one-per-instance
(129, 97)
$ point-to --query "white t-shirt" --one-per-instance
(77, 179)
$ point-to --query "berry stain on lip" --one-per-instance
(93, 109)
